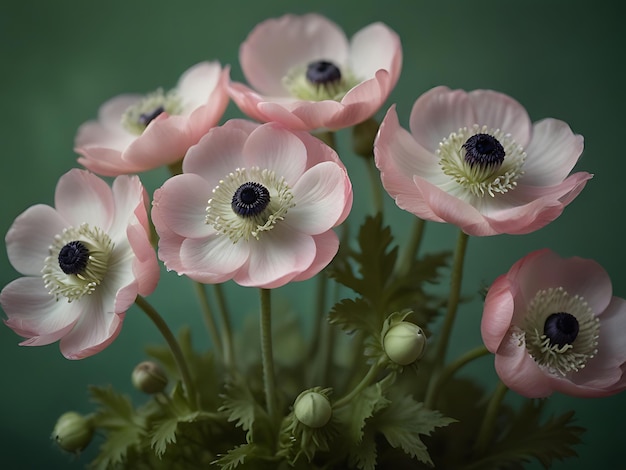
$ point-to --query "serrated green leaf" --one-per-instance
(528, 439)
(364, 455)
(361, 408)
(354, 315)
(162, 434)
(404, 421)
(375, 261)
(238, 456)
(240, 406)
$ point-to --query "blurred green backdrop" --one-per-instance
(61, 60)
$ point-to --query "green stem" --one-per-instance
(364, 383)
(227, 337)
(456, 280)
(377, 192)
(174, 348)
(453, 367)
(269, 377)
(489, 421)
(412, 247)
(209, 318)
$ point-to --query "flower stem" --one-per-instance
(412, 248)
(456, 279)
(364, 383)
(269, 377)
(377, 193)
(227, 337)
(466, 358)
(489, 421)
(169, 337)
(209, 318)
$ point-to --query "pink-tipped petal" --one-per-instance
(82, 197)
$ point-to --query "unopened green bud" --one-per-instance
(312, 409)
(73, 432)
(149, 377)
(404, 343)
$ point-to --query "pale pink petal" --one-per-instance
(165, 141)
(82, 197)
(438, 113)
(271, 111)
(326, 246)
(212, 259)
(398, 155)
(499, 111)
(130, 205)
(373, 48)
(145, 268)
(197, 83)
(497, 313)
(518, 371)
(277, 149)
(320, 199)
(217, 154)
(321, 114)
(29, 238)
(182, 202)
(277, 45)
(552, 153)
(32, 311)
(282, 254)
(93, 332)
(208, 115)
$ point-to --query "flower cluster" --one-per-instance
(256, 201)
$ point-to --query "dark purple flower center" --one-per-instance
(561, 328)
(323, 72)
(73, 258)
(250, 199)
(483, 150)
(147, 118)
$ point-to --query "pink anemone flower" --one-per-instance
(475, 160)
(136, 133)
(255, 203)
(307, 76)
(555, 326)
(84, 263)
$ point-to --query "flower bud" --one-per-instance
(404, 343)
(149, 377)
(73, 432)
(312, 409)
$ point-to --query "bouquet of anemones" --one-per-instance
(265, 202)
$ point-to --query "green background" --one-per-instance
(62, 59)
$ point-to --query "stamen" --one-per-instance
(137, 117)
(78, 262)
(319, 81)
(560, 342)
(480, 162)
(248, 202)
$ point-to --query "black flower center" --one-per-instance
(147, 118)
(323, 72)
(561, 328)
(250, 199)
(484, 150)
(73, 258)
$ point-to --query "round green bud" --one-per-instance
(73, 432)
(149, 377)
(312, 409)
(404, 343)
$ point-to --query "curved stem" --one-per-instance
(453, 367)
(364, 383)
(456, 280)
(209, 318)
(227, 337)
(412, 247)
(169, 337)
(377, 192)
(489, 421)
(269, 377)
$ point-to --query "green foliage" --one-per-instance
(125, 428)
(526, 438)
